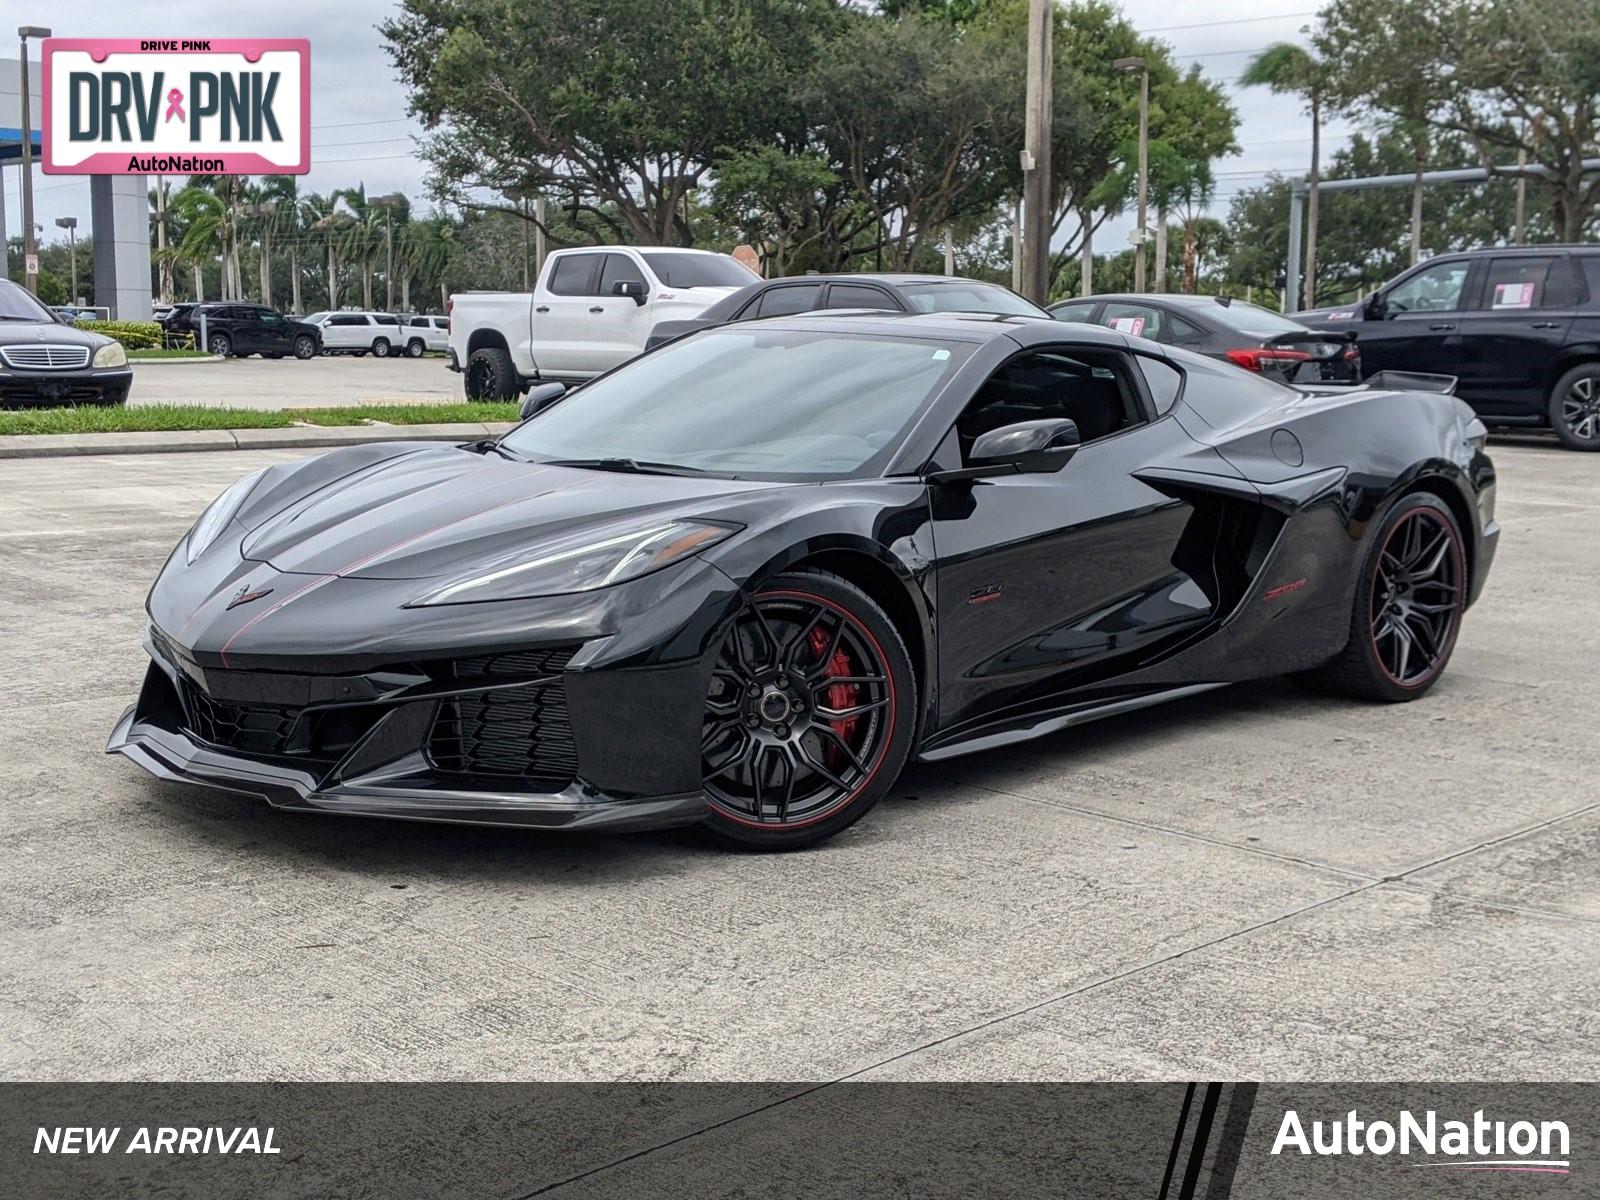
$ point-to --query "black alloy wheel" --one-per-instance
(1575, 407)
(305, 346)
(1412, 592)
(490, 375)
(808, 715)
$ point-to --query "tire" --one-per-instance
(490, 375)
(380, 348)
(220, 343)
(415, 348)
(1574, 410)
(810, 714)
(305, 347)
(1417, 562)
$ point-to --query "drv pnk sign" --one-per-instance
(213, 106)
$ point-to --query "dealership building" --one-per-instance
(119, 205)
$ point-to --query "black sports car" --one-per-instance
(1219, 327)
(792, 294)
(742, 579)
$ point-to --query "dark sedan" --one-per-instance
(886, 293)
(1244, 334)
(46, 361)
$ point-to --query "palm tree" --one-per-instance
(287, 225)
(363, 235)
(422, 248)
(223, 221)
(323, 216)
(205, 219)
(1285, 67)
(166, 249)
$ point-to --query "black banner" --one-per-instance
(514, 1141)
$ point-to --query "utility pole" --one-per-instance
(70, 224)
(1036, 153)
(1518, 228)
(538, 234)
(1139, 64)
(388, 203)
(949, 251)
(30, 244)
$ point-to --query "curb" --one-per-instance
(56, 445)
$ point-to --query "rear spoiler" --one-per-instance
(1411, 381)
(1311, 335)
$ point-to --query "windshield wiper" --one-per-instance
(623, 466)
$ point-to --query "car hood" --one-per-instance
(41, 333)
(442, 509)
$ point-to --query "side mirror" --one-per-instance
(630, 287)
(1375, 307)
(541, 396)
(1026, 448)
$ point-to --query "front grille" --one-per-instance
(521, 732)
(247, 728)
(45, 356)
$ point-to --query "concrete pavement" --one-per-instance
(325, 382)
(1254, 883)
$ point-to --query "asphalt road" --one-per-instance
(1252, 884)
(289, 383)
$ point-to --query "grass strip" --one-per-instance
(180, 417)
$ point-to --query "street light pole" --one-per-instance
(30, 244)
(70, 224)
(1036, 153)
(1139, 64)
(389, 203)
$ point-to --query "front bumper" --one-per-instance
(48, 389)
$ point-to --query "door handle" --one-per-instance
(596, 308)
(1547, 324)
(1437, 325)
(542, 308)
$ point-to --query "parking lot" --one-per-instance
(1257, 883)
(289, 383)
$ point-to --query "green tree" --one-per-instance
(1287, 68)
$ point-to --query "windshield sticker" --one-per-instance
(1133, 325)
(940, 355)
(1341, 316)
(1513, 295)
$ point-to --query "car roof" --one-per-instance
(890, 277)
(965, 327)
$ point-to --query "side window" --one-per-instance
(1533, 282)
(856, 295)
(1591, 277)
(796, 298)
(618, 268)
(1091, 387)
(1433, 289)
(1163, 379)
(1074, 312)
(347, 319)
(418, 322)
(268, 317)
(386, 319)
(573, 274)
(1138, 320)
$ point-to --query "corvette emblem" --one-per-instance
(244, 595)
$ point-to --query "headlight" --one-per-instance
(215, 519)
(582, 562)
(111, 356)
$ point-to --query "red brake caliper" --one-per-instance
(839, 695)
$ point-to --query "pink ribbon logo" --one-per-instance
(175, 105)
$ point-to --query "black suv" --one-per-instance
(236, 329)
(1519, 326)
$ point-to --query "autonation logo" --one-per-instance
(1479, 1145)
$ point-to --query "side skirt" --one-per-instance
(1026, 729)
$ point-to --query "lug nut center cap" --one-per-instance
(774, 706)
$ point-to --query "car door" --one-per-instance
(1044, 581)
(618, 324)
(1417, 321)
(561, 317)
(1520, 311)
(272, 330)
(346, 331)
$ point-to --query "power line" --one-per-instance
(1231, 21)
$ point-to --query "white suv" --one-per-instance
(425, 333)
(359, 333)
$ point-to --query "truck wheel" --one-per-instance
(1575, 407)
(491, 375)
(380, 348)
(415, 348)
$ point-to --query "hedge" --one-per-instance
(134, 335)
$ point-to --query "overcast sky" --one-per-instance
(360, 131)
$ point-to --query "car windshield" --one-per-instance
(750, 401)
(17, 304)
(1249, 318)
(680, 270)
(967, 295)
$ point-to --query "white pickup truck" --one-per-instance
(591, 310)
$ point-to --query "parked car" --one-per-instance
(359, 333)
(72, 314)
(238, 330)
(1219, 327)
(590, 311)
(423, 333)
(47, 361)
(744, 580)
(1519, 326)
(891, 293)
